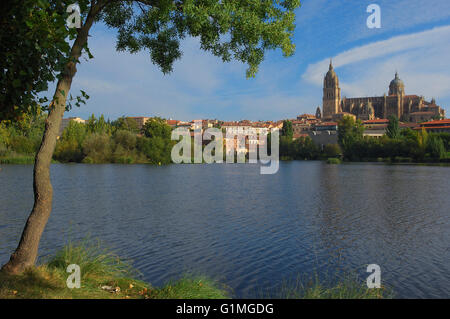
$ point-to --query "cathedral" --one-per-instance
(408, 108)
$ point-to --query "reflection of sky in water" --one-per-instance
(248, 230)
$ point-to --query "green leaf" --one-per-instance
(16, 83)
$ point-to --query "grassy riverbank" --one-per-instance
(344, 286)
(106, 276)
(22, 159)
(103, 276)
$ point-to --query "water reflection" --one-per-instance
(248, 230)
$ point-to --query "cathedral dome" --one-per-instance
(397, 86)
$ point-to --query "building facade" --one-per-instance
(408, 108)
(441, 126)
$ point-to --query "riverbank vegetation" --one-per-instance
(120, 141)
(97, 141)
(106, 276)
(348, 286)
(396, 146)
(103, 276)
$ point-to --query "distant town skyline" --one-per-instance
(414, 40)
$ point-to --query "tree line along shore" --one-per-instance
(121, 141)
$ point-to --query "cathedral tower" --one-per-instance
(331, 94)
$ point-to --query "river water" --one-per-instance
(252, 232)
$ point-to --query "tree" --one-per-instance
(157, 143)
(349, 133)
(69, 146)
(435, 147)
(99, 125)
(393, 129)
(332, 150)
(306, 149)
(287, 130)
(33, 51)
(157, 127)
(125, 123)
(241, 30)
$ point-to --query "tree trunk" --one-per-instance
(26, 253)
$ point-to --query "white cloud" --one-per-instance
(401, 15)
(420, 58)
(121, 83)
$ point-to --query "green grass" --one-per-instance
(333, 160)
(15, 158)
(192, 288)
(99, 268)
(347, 287)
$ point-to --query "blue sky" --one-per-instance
(414, 39)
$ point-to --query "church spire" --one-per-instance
(331, 64)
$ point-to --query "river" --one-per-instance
(251, 232)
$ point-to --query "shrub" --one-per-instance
(74, 132)
(332, 150)
(334, 160)
(304, 148)
(68, 151)
(24, 145)
(156, 149)
(3, 149)
(94, 260)
(345, 286)
(125, 139)
(435, 147)
(98, 148)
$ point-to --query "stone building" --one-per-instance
(408, 108)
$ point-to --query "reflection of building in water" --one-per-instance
(408, 108)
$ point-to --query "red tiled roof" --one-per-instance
(436, 122)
